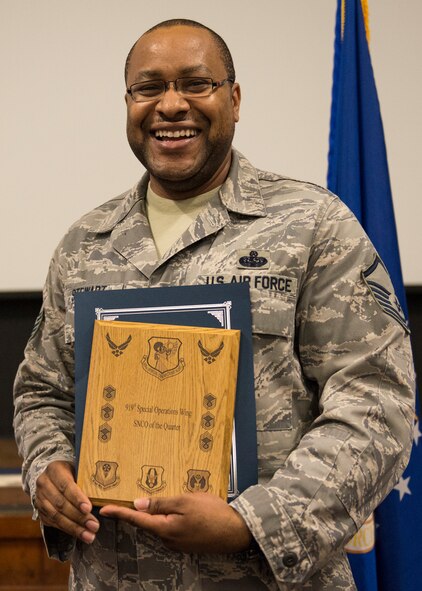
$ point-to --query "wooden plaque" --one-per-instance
(159, 411)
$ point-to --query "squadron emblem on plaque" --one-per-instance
(106, 474)
(198, 481)
(163, 359)
(151, 479)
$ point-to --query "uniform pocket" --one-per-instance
(273, 338)
(272, 314)
(272, 327)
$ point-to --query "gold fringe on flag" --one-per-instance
(343, 16)
(365, 10)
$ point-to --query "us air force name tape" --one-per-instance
(274, 283)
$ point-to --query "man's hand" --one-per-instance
(196, 522)
(62, 504)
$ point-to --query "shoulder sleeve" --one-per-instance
(44, 389)
(356, 357)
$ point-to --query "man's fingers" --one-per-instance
(199, 522)
(60, 474)
(75, 497)
(142, 504)
(85, 532)
(142, 519)
(55, 506)
(50, 500)
(160, 505)
(62, 504)
(69, 523)
(57, 511)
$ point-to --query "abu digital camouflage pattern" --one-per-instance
(127, 559)
(333, 379)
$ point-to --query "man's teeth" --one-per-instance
(176, 134)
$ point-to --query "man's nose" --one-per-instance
(172, 103)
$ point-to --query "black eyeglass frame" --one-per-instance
(213, 86)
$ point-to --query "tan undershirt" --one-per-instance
(169, 218)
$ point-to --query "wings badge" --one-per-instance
(118, 350)
(210, 356)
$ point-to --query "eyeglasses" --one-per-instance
(152, 90)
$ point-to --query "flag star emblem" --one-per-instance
(416, 433)
(402, 487)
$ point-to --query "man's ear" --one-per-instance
(236, 98)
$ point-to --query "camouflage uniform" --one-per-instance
(333, 379)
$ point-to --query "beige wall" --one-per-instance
(62, 139)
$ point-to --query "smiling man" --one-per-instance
(182, 105)
(334, 383)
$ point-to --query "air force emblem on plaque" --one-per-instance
(163, 359)
(151, 479)
(210, 356)
(379, 282)
(106, 474)
(116, 349)
(198, 481)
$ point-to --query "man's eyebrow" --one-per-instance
(199, 69)
(189, 70)
(147, 75)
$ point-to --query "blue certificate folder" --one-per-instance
(211, 306)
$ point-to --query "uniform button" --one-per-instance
(290, 559)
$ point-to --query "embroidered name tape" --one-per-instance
(270, 283)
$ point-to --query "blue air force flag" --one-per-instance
(387, 554)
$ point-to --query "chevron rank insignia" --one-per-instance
(381, 287)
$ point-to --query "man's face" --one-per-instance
(196, 161)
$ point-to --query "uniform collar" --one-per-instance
(127, 204)
(240, 194)
(241, 191)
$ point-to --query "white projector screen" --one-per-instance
(63, 145)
